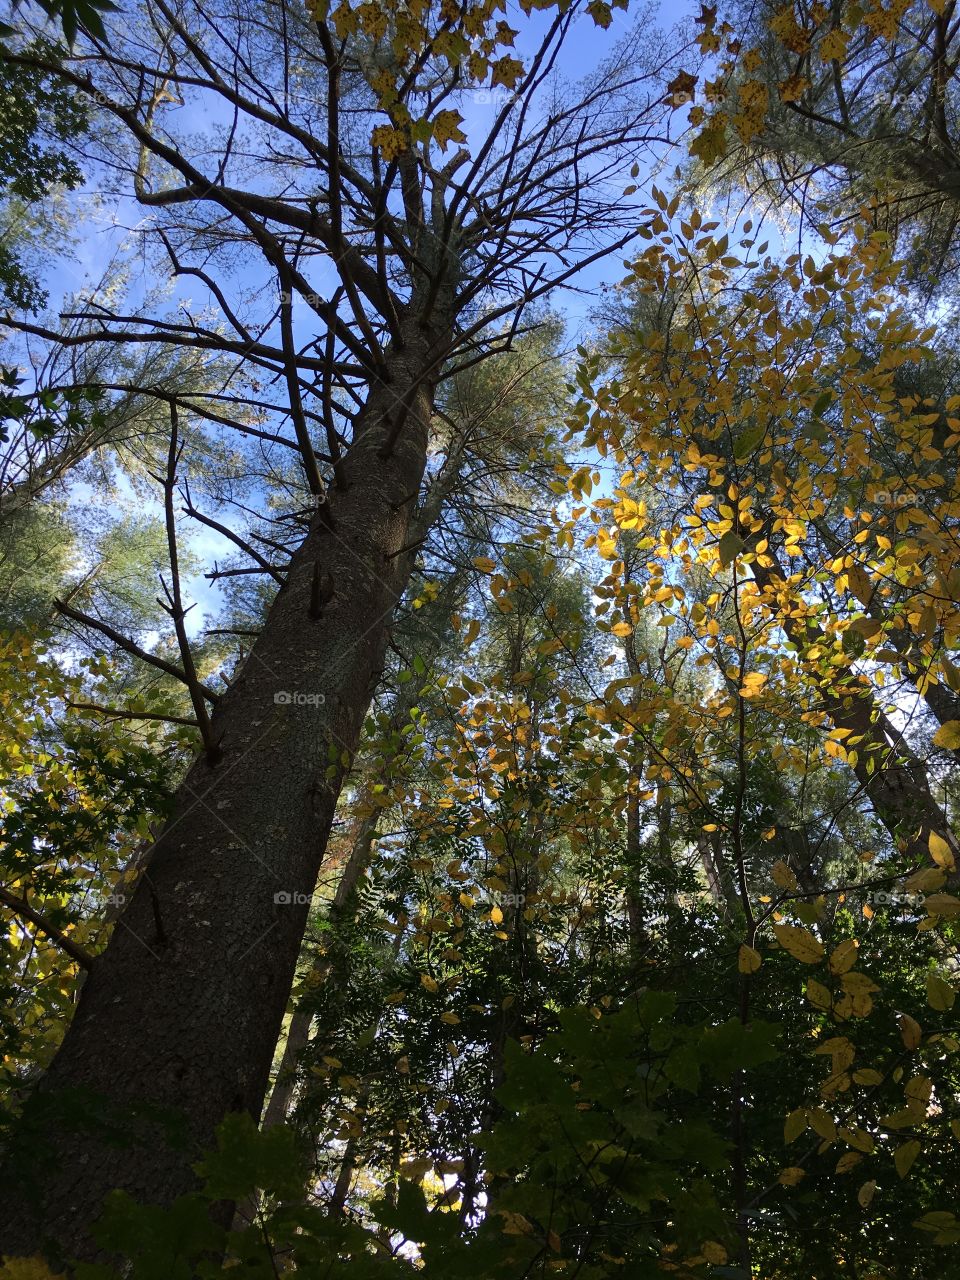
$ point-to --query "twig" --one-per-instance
(174, 607)
(131, 715)
(128, 646)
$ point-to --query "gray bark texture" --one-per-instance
(184, 1007)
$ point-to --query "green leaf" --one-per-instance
(731, 545)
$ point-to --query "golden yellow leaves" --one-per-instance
(783, 877)
(27, 1269)
(785, 26)
(948, 736)
(940, 851)
(940, 994)
(905, 1155)
(849, 1160)
(833, 46)
(752, 686)
(866, 1193)
(794, 1125)
(753, 102)
(391, 142)
(446, 128)
(800, 943)
(600, 12)
(819, 995)
(710, 144)
(857, 998)
(844, 957)
(924, 881)
(910, 1031)
(507, 71)
(793, 89)
(748, 960)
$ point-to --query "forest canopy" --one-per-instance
(479, 640)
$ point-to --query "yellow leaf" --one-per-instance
(496, 915)
(484, 564)
(28, 1269)
(801, 943)
(948, 736)
(865, 1194)
(844, 957)
(790, 1177)
(413, 1170)
(783, 877)
(446, 128)
(392, 142)
(748, 960)
(515, 1224)
(919, 1089)
(506, 71)
(818, 995)
(822, 1123)
(910, 1031)
(941, 904)
(904, 1156)
(794, 1125)
(940, 851)
(926, 880)
(450, 1018)
(848, 1161)
(868, 1076)
(622, 629)
(429, 983)
(940, 994)
(859, 1139)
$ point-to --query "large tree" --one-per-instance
(327, 184)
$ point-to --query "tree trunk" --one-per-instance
(891, 776)
(183, 1008)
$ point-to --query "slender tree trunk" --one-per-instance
(348, 1166)
(298, 1033)
(184, 1007)
(891, 776)
(719, 880)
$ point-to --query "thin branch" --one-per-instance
(174, 606)
(129, 646)
(21, 907)
(117, 714)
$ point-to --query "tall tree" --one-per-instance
(416, 264)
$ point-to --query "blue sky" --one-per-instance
(108, 227)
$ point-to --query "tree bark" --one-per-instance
(183, 1008)
(890, 775)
